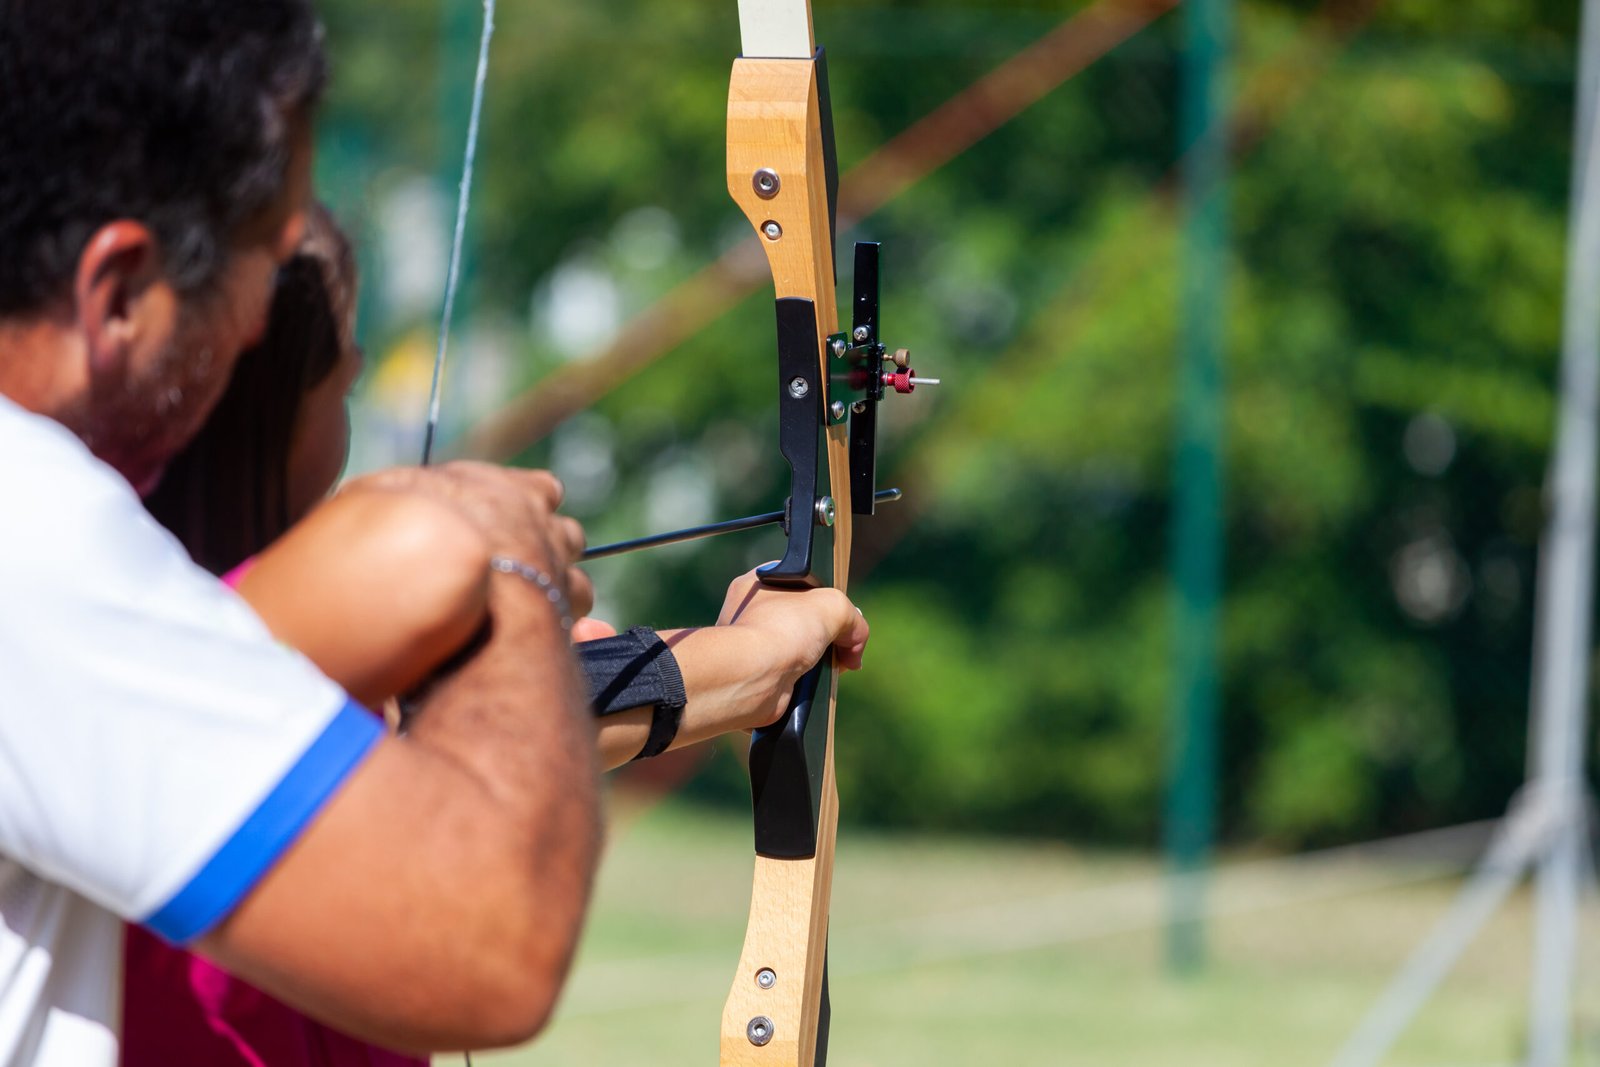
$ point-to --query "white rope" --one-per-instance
(463, 200)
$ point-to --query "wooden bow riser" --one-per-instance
(776, 1012)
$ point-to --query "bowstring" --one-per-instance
(452, 282)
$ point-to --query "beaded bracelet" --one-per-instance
(526, 572)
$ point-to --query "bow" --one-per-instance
(783, 174)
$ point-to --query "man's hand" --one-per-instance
(513, 510)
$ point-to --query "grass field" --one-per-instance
(950, 952)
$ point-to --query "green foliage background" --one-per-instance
(1397, 238)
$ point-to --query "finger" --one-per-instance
(539, 485)
(480, 488)
(850, 631)
(580, 593)
(545, 485)
(849, 656)
(570, 538)
(851, 642)
(587, 629)
(860, 631)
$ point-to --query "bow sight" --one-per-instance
(862, 370)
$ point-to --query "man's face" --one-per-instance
(144, 419)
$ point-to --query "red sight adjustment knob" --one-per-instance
(906, 381)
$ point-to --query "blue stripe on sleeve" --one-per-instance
(241, 861)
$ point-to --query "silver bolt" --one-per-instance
(759, 1030)
(766, 183)
(837, 409)
(859, 407)
(799, 387)
(862, 335)
(838, 348)
(825, 511)
(766, 978)
(772, 230)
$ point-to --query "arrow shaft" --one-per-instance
(715, 529)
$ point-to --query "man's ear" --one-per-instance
(123, 301)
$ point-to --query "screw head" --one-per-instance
(859, 407)
(837, 409)
(838, 348)
(759, 1030)
(771, 230)
(799, 387)
(766, 978)
(862, 335)
(766, 183)
(826, 513)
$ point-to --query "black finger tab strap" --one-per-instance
(636, 670)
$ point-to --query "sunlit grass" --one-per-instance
(960, 952)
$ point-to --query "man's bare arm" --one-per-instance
(435, 901)
(418, 591)
(377, 588)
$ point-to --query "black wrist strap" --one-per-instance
(634, 670)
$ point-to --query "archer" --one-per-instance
(166, 759)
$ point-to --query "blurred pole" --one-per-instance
(1197, 546)
(1562, 643)
(1547, 825)
(1522, 836)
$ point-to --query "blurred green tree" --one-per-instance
(1398, 206)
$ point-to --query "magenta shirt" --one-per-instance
(180, 1009)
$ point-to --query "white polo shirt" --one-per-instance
(158, 750)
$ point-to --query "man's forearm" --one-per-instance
(453, 869)
(518, 705)
(377, 589)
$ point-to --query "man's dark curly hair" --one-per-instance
(177, 113)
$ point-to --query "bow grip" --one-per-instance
(786, 767)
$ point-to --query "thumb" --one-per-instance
(587, 629)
